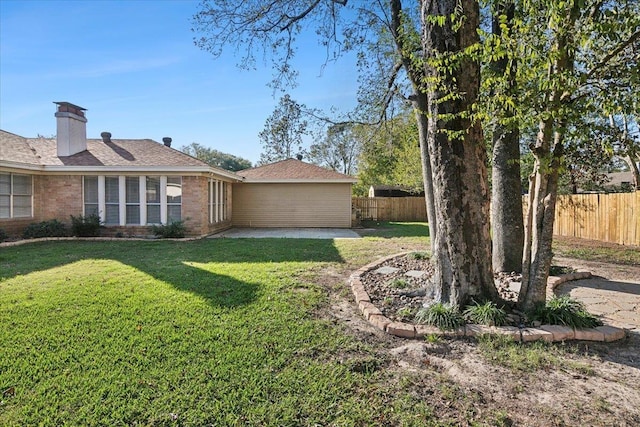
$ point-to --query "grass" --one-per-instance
(529, 357)
(590, 250)
(399, 283)
(390, 229)
(210, 332)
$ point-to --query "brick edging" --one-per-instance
(550, 333)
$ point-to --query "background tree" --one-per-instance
(571, 52)
(339, 150)
(216, 158)
(501, 96)
(283, 130)
(391, 156)
(434, 43)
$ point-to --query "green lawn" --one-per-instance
(209, 332)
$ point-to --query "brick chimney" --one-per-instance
(71, 133)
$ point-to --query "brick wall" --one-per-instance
(194, 204)
(57, 197)
(54, 197)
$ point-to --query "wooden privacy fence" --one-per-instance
(613, 217)
(390, 208)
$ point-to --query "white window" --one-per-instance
(153, 200)
(112, 200)
(132, 190)
(90, 191)
(217, 201)
(174, 198)
(16, 196)
(133, 200)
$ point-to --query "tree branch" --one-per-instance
(622, 46)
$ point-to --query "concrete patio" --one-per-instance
(288, 233)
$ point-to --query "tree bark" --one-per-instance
(543, 189)
(462, 255)
(543, 183)
(420, 109)
(506, 189)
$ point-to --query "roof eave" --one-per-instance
(299, 181)
(121, 169)
(20, 165)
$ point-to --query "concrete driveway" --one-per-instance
(289, 233)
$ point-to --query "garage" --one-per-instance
(292, 193)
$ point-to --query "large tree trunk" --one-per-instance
(506, 203)
(462, 255)
(506, 195)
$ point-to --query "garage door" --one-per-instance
(292, 205)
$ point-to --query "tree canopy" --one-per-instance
(553, 63)
(283, 130)
(216, 158)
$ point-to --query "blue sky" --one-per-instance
(133, 65)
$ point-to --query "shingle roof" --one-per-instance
(117, 153)
(293, 170)
(15, 148)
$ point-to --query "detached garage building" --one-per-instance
(291, 193)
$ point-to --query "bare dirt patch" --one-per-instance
(593, 384)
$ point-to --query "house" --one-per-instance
(291, 193)
(132, 184)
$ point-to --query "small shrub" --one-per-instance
(51, 228)
(419, 255)
(564, 310)
(404, 313)
(3, 235)
(444, 316)
(86, 226)
(173, 230)
(399, 283)
(486, 314)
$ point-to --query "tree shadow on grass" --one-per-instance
(388, 229)
(181, 264)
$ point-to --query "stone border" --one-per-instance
(550, 333)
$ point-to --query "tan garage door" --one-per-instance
(292, 205)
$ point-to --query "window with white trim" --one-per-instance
(90, 193)
(174, 198)
(16, 196)
(153, 200)
(217, 201)
(132, 197)
(112, 200)
(133, 200)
